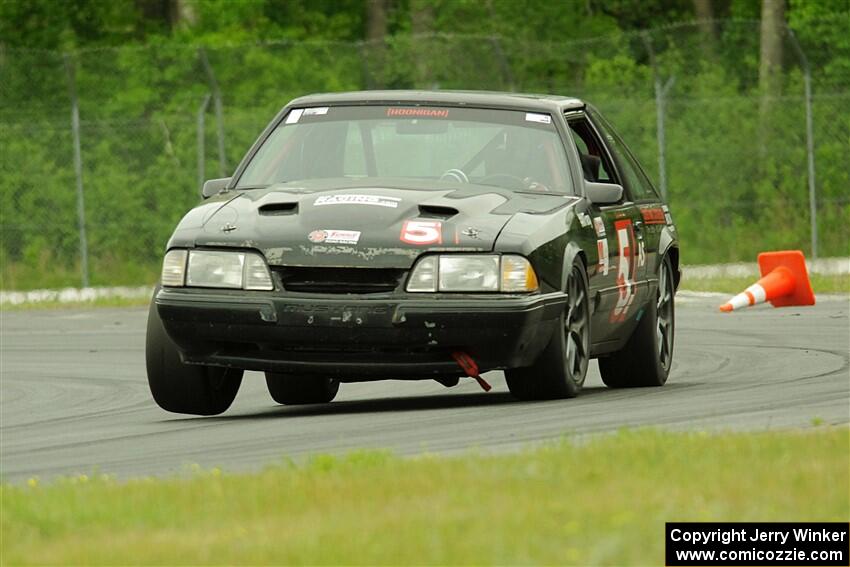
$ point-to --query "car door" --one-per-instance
(654, 215)
(619, 272)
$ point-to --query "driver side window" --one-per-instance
(595, 164)
(637, 181)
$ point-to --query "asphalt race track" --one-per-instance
(74, 397)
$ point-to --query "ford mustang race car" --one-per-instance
(418, 235)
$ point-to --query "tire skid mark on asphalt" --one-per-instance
(70, 446)
(335, 409)
(123, 397)
(72, 378)
(64, 420)
(73, 410)
(845, 361)
(62, 334)
(201, 424)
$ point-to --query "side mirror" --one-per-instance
(603, 193)
(214, 186)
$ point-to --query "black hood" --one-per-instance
(361, 223)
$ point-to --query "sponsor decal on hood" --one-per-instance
(334, 236)
(376, 200)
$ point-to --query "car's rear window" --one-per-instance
(508, 149)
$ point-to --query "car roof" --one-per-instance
(485, 99)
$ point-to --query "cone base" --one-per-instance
(794, 260)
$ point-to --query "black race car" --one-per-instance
(418, 235)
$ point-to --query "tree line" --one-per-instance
(734, 112)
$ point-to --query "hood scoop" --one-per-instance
(278, 209)
(340, 225)
(438, 212)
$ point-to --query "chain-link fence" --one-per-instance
(93, 201)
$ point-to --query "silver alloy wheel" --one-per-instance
(664, 315)
(576, 327)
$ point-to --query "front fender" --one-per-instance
(571, 251)
(669, 245)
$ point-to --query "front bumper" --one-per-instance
(357, 338)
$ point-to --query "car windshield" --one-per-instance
(514, 150)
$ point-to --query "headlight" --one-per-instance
(257, 274)
(216, 268)
(473, 273)
(424, 276)
(174, 268)
(469, 273)
(517, 275)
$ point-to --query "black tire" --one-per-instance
(294, 389)
(185, 388)
(560, 370)
(647, 357)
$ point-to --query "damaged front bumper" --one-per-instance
(358, 338)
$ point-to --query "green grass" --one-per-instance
(820, 284)
(48, 274)
(602, 501)
(98, 302)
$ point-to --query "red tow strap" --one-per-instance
(468, 365)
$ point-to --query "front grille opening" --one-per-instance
(339, 280)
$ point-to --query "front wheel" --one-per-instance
(185, 388)
(293, 389)
(560, 370)
(647, 357)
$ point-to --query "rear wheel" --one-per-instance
(185, 388)
(293, 389)
(560, 370)
(646, 358)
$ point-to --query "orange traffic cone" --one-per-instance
(784, 281)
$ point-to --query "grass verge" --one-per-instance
(98, 302)
(94, 303)
(48, 273)
(601, 501)
(820, 284)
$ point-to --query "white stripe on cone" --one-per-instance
(759, 295)
(751, 296)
